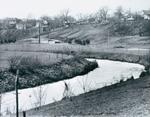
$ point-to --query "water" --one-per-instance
(108, 73)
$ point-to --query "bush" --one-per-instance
(121, 28)
(82, 42)
(14, 63)
(26, 65)
(12, 35)
(145, 29)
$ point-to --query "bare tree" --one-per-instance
(40, 95)
(65, 15)
(119, 14)
(80, 17)
(68, 91)
(66, 18)
(85, 84)
(84, 19)
(102, 14)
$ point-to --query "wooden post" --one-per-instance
(39, 33)
(0, 103)
(16, 88)
(108, 40)
(24, 113)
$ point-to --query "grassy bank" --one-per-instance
(31, 76)
(130, 98)
(131, 58)
(126, 99)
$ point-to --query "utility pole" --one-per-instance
(24, 113)
(16, 88)
(0, 103)
(108, 38)
(39, 33)
(49, 30)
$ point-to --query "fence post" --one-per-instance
(24, 113)
(39, 33)
(16, 88)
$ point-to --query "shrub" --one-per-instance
(121, 28)
(12, 35)
(145, 29)
(68, 91)
(24, 64)
(82, 42)
(14, 63)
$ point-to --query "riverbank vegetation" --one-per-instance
(32, 73)
(114, 100)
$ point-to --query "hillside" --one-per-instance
(102, 45)
(99, 35)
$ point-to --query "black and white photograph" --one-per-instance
(74, 58)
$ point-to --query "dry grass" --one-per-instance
(43, 57)
(97, 35)
(55, 52)
(127, 99)
(61, 48)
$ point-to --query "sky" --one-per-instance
(37, 8)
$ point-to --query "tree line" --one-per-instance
(121, 22)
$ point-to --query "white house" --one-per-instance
(20, 26)
(146, 14)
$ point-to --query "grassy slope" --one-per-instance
(127, 99)
(98, 35)
(99, 42)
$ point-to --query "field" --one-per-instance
(99, 41)
(102, 45)
(44, 57)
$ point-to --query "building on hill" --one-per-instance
(9, 23)
(21, 26)
(146, 14)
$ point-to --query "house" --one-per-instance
(44, 28)
(146, 14)
(80, 22)
(21, 26)
(10, 23)
(30, 23)
(130, 19)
